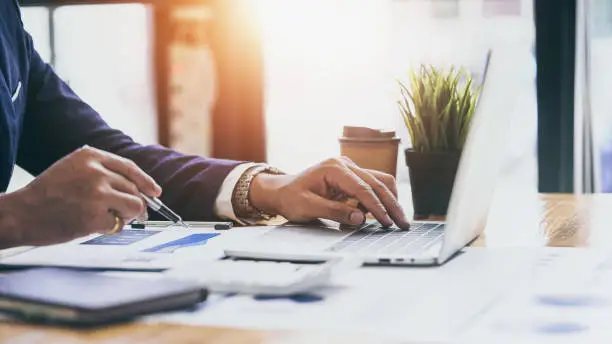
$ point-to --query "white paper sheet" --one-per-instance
(78, 253)
(567, 300)
(425, 304)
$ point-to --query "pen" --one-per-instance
(191, 224)
(162, 209)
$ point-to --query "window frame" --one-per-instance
(240, 89)
(555, 23)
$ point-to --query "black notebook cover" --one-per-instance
(85, 297)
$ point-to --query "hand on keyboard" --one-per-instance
(321, 192)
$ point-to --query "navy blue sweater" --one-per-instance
(42, 120)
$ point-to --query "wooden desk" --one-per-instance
(166, 333)
(554, 220)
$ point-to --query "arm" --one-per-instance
(57, 122)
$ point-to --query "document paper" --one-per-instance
(503, 295)
(152, 249)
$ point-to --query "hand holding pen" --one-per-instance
(156, 205)
(88, 191)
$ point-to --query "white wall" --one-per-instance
(331, 63)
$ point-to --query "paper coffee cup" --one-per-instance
(373, 149)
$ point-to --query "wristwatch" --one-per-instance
(240, 196)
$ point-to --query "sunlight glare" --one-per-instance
(317, 26)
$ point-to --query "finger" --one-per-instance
(143, 217)
(349, 183)
(132, 172)
(319, 207)
(122, 184)
(385, 178)
(385, 195)
(128, 206)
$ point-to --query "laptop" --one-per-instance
(426, 243)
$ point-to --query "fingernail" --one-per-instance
(387, 221)
(356, 218)
(403, 221)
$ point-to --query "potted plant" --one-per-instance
(437, 108)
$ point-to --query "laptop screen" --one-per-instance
(482, 156)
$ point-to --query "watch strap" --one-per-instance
(240, 198)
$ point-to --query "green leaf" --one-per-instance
(437, 107)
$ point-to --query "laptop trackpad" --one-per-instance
(294, 238)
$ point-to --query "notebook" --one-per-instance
(53, 295)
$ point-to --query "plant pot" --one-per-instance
(432, 176)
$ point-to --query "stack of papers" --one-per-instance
(142, 249)
(429, 304)
(491, 295)
(501, 295)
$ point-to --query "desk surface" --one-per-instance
(165, 333)
(552, 220)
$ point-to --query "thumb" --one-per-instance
(320, 207)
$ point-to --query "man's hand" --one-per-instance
(320, 192)
(78, 195)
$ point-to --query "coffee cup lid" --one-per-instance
(365, 132)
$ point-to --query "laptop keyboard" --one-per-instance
(374, 238)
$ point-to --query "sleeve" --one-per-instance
(57, 121)
(223, 204)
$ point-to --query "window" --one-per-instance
(105, 53)
(600, 25)
(36, 22)
(107, 60)
(334, 63)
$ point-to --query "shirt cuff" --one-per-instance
(223, 204)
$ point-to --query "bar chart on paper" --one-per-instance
(123, 238)
(188, 241)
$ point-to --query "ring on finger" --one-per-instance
(117, 226)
